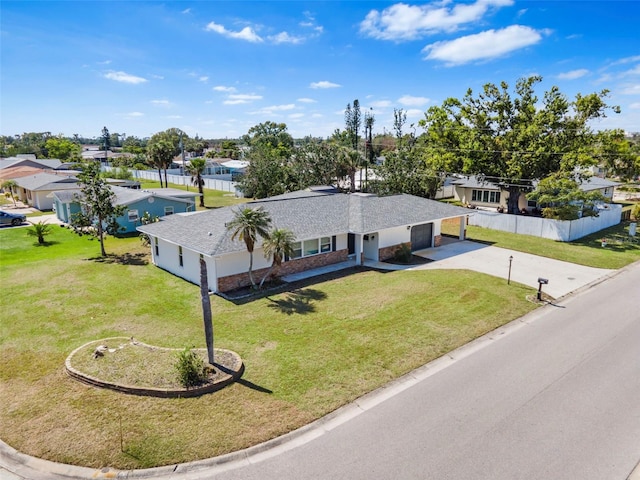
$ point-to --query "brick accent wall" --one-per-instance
(437, 240)
(239, 280)
(389, 252)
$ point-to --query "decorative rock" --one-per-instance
(99, 351)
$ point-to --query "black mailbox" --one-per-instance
(541, 281)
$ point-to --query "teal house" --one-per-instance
(157, 202)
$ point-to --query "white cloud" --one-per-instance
(174, 117)
(634, 71)
(408, 22)
(622, 61)
(306, 100)
(134, 114)
(161, 103)
(186, 10)
(106, 62)
(634, 106)
(124, 77)
(284, 37)
(482, 46)
(296, 115)
(274, 108)
(573, 74)
(203, 79)
(410, 101)
(631, 89)
(381, 104)
(414, 112)
(317, 115)
(238, 99)
(222, 88)
(247, 33)
(324, 84)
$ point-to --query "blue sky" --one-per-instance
(217, 68)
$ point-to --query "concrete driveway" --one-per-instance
(564, 277)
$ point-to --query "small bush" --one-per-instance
(635, 213)
(191, 368)
(403, 253)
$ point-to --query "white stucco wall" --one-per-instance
(394, 236)
(234, 263)
(168, 259)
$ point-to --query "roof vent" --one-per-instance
(209, 233)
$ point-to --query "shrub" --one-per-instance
(403, 253)
(191, 368)
(635, 213)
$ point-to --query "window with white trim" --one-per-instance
(311, 247)
(132, 215)
(155, 244)
(180, 257)
(485, 196)
(168, 210)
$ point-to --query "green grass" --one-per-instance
(306, 352)
(584, 251)
(212, 198)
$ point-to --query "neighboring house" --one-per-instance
(36, 190)
(485, 194)
(329, 228)
(157, 202)
(29, 161)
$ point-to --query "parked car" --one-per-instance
(14, 219)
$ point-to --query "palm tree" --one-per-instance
(196, 169)
(278, 245)
(247, 225)
(40, 230)
(10, 185)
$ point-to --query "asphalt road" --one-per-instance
(558, 398)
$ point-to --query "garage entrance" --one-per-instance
(421, 236)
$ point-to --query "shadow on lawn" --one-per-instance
(139, 259)
(298, 301)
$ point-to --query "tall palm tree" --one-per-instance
(196, 170)
(278, 245)
(247, 225)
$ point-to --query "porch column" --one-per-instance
(463, 227)
(359, 248)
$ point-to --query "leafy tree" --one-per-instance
(10, 185)
(619, 156)
(268, 173)
(514, 140)
(349, 163)
(278, 245)
(99, 212)
(62, 148)
(196, 169)
(39, 230)
(314, 163)
(561, 198)
(134, 145)
(270, 137)
(247, 225)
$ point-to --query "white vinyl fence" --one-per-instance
(560, 230)
(220, 182)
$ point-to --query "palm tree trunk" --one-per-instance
(266, 275)
(253, 283)
(201, 191)
(160, 176)
(206, 309)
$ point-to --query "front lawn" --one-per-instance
(212, 198)
(307, 351)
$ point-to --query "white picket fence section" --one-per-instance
(559, 230)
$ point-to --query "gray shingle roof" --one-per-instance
(126, 196)
(307, 216)
(46, 182)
